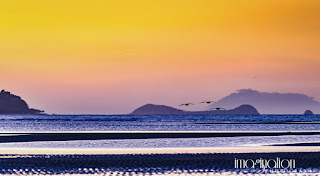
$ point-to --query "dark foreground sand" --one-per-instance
(148, 164)
(299, 144)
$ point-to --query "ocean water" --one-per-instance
(36, 123)
(87, 123)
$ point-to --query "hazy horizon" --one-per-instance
(262, 107)
(107, 57)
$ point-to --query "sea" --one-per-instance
(25, 124)
(105, 123)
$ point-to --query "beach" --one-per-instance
(154, 161)
(154, 164)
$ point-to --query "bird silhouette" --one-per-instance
(208, 102)
(218, 108)
(186, 104)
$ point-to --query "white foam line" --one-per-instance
(18, 134)
(90, 151)
(33, 132)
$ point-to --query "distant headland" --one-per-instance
(12, 104)
(151, 109)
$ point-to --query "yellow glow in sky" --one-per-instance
(87, 56)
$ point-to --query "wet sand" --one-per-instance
(148, 164)
(66, 136)
(148, 161)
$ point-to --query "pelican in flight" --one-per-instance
(208, 102)
(186, 104)
(218, 109)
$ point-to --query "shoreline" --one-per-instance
(129, 151)
(10, 137)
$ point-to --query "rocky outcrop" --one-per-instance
(151, 109)
(12, 104)
(156, 109)
(308, 112)
(244, 109)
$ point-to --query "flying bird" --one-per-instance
(219, 108)
(186, 104)
(208, 102)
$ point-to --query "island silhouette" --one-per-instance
(151, 109)
(13, 104)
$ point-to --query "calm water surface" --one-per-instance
(34, 123)
(54, 123)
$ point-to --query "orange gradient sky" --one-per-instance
(107, 57)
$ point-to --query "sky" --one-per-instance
(110, 57)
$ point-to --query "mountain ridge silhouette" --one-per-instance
(270, 103)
